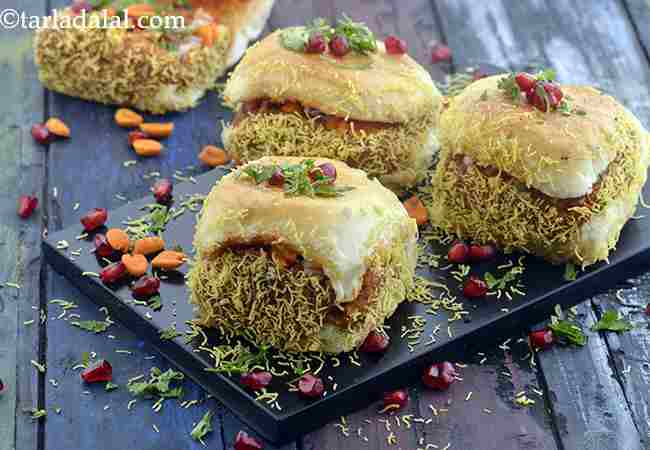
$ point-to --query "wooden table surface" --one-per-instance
(593, 397)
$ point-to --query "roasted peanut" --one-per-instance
(136, 265)
(57, 127)
(168, 260)
(416, 210)
(128, 119)
(147, 147)
(213, 156)
(118, 239)
(148, 246)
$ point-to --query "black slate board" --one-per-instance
(486, 325)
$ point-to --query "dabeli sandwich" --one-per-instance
(335, 92)
(301, 254)
(530, 165)
(157, 56)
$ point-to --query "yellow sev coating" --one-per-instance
(399, 156)
(250, 293)
(502, 208)
(110, 65)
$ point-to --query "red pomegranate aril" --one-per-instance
(399, 397)
(647, 310)
(525, 81)
(311, 386)
(2, 386)
(339, 46)
(375, 342)
(94, 219)
(277, 179)
(537, 101)
(79, 6)
(475, 287)
(41, 134)
(137, 135)
(395, 45)
(478, 74)
(26, 206)
(102, 248)
(554, 92)
(245, 442)
(316, 43)
(98, 372)
(479, 253)
(458, 252)
(439, 53)
(146, 287)
(327, 170)
(440, 376)
(162, 191)
(112, 273)
(251, 106)
(256, 380)
(541, 339)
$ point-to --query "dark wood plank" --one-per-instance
(631, 350)
(21, 171)
(570, 40)
(639, 14)
(587, 400)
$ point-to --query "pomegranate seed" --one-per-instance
(2, 386)
(94, 219)
(475, 287)
(41, 134)
(102, 248)
(439, 53)
(316, 44)
(79, 6)
(26, 205)
(136, 135)
(535, 100)
(395, 45)
(311, 386)
(101, 371)
(458, 252)
(145, 287)
(339, 46)
(112, 273)
(277, 179)
(525, 81)
(478, 74)
(375, 342)
(325, 170)
(481, 252)
(440, 376)
(541, 339)
(256, 380)
(162, 191)
(245, 442)
(554, 92)
(251, 106)
(647, 310)
(399, 397)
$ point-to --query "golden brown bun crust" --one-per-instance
(560, 155)
(393, 89)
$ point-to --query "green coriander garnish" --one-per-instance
(611, 322)
(94, 326)
(566, 329)
(203, 428)
(570, 272)
(110, 386)
(35, 413)
(509, 85)
(359, 36)
(169, 334)
(304, 178)
(159, 384)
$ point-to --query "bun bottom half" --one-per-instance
(251, 295)
(398, 156)
(495, 208)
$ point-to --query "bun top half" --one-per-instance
(377, 87)
(560, 154)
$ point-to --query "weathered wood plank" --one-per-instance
(631, 350)
(639, 14)
(21, 171)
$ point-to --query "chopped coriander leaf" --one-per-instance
(94, 326)
(169, 334)
(203, 428)
(155, 303)
(359, 36)
(294, 38)
(258, 173)
(159, 384)
(568, 331)
(509, 86)
(546, 75)
(611, 322)
(570, 273)
(85, 359)
(110, 386)
(236, 359)
(36, 413)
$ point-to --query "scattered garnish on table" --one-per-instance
(440, 376)
(440, 53)
(245, 442)
(311, 386)
(101, 371)
(94, 326)
(26, 206)
(159, 384)
(611, 322)
(213, 156)
(203, 428)
(565, 329)
(36, 413)
(256, 380)
(570, 272)
(395, 400)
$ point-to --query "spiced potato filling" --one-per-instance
(330, 122)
